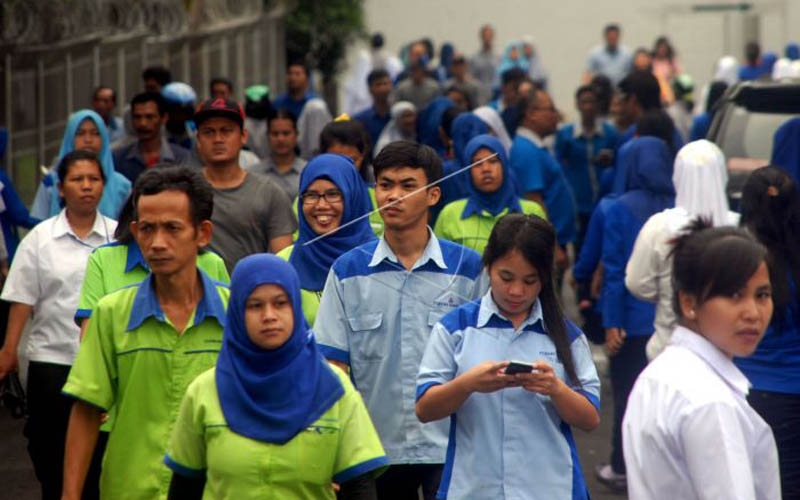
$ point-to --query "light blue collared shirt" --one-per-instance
(509, 443)
(377, 316)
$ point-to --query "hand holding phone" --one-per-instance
(515, 367)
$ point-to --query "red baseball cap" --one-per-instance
(223, 108)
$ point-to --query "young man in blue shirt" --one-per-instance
(298, 89)
(377, 116)
(379, 304)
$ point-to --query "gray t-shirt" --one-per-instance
(247, 217)
(289, 181)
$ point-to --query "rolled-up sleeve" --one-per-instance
(438, 364)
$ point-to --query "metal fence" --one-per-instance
(42, 83)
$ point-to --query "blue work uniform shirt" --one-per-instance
(377, 316)
(373, 122)
(128, 159)
(286, 101)
(509, 443)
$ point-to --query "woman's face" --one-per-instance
(323, 206)
(82, 187)
(736, 324)
(408, 122)
(487, 175)
(88, 137)
(348, 150)
(269, 316)
(515, 284)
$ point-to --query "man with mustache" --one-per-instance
(149, 114)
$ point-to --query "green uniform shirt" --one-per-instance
(340, 446)
(133, 359)
(375, 219)
(310, 298)
(473, 232)
(116, 265)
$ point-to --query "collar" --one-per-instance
(145, 304)
(433, 251)
(578, 130)
(61, 226)
(698, 345)
(489, 312)
(135, 258)
(297, 166)
(530, 135)
(164, 153)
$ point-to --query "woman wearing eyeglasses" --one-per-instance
(332, 196)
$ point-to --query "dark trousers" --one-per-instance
(46, 428)
(782, 412)
(402, 482)
(624, 367)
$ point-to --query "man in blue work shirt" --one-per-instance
(584, 149)
(379, 305)
(539, 176)
(298, 89)
(377, 116)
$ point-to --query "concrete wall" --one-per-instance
(565, 30)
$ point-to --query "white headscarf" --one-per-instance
(312, 120)
(700, 177)
(492, 119)
(727, 70)
(392, 131)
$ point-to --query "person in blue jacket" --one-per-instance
(80, 134)
(15, 213)
(646, 189)
(786, 148)
(771, 212)
(428, 121)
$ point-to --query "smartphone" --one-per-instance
(515, 367)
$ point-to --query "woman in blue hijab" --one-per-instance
(786, 148)
(332, 212)
(428, 122)
(490, 196)
(273, 419)
(645, 188)
(85, 130)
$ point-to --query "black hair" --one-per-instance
(164, 177)
(429, 48)
(158, 73)
(74, 156)
(710, 262)
(664, 40)
(283, 114)
(585, 88)
(535, 239)
(513, 75)
(261, 109)
(104, 87)
(752, 51)
(642, 50)
(224, 81)
(126, 215)
(155, 97)
(657, 123)
(448, 117)
(644, 86)
(377, 74)
(409, 154)
(771, 211)
(351, 133)
(457, 87)
(299, 62)
(376, 41)
(715, 92)
(604, 91)
(611, 27)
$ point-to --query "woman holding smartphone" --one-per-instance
(688, 430)
(510, 434)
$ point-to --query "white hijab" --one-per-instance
(312, 120)
(727, 70)
(492, 119)
(392, 131)
(700, 177)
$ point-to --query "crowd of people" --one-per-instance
(260, 300)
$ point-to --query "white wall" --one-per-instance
(565, 30)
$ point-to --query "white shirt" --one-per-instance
(688, 432)
(47, 273)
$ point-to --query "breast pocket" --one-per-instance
(370, 340)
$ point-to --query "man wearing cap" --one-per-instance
(251, 213)
(149, 114)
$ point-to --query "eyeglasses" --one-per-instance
(312, 197)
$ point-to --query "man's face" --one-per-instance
(628, 108)
(166, 233)
(612, 39)
(147, 121)
(219, 141)
(542, 116)
(394, 186)
(296, 78)
(103, 103)
(380, 89)
(458, 99)
(587, 105)
(152, 85)
(282, 136)
(220, 91)
(487, 36)
(459, 69)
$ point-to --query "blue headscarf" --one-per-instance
(116, 187)
(786, 148)
(503, 198)
(271, 395)
(465, 127)
(645, 177)
(507, 63)
(313, 261)
(428, 123)
(792, 51)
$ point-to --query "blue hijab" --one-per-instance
(271, 395)
(503, 198)
(786, 148)
(645, 177)
(792, 51)
(116, 187)
(428, 123)
(465, 127)
(314, 261)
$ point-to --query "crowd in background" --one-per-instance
(449, 200)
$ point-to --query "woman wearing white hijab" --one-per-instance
(312, 120)
(492, 119)
(401, 126)
(699, 178)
